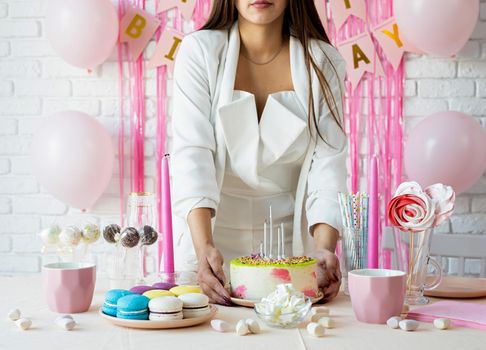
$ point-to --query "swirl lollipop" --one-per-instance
(129, 237)
(111, 233)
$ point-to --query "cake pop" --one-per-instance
(129, 237)
(50, 235)
(111, 233)
(70, 236)
(90, 233)
(148, 235)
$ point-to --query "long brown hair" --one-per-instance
(302, 21)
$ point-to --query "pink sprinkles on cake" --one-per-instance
(240, 292)
(281, 274)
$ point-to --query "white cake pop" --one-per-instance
(70, 236)
(50, 235)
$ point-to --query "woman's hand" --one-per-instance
(328, 273)
(211, 277)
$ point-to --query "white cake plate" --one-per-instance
(148, 324)
(251, 303)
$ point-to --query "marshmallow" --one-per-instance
(66, 322)
(408, 325)
(320, 310)
(315, 329)
(393, 322)
(326, 322)
(14, 314)
(317, 317)
(442, 323)
(242, 328)
(220, 325)
(253, 326)
(23, 323)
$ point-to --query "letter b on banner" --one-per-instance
(136, 26)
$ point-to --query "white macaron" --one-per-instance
(166, 308)
(195, 305)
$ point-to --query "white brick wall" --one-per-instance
(35, 83)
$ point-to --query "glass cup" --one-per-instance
(412, 251)
(141, 212)
(353, 253)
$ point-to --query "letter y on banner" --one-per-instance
(360, 56)
(166, 49)
(136, 29)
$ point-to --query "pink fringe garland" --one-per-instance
(381, 98)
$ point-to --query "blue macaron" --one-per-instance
(133, 307)
(111, 298)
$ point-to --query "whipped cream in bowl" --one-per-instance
(286, 307)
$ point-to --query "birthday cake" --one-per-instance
(254, 277)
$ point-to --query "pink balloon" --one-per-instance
(446, 147)
(82, 32)
(437, 27)
(73, 158)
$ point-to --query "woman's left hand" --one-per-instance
(328, 273)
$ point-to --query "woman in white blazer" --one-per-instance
(257, 122)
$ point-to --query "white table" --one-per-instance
(93, 332)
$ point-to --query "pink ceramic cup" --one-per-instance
(69, 287)
(376, 294)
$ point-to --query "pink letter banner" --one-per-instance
(360, 56)
(388, 35)
(136, 28)
(185, 6)
(166, 49)
(342, 9)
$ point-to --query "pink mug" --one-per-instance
(69, 287)
(376, 294)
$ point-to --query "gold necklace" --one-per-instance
(267, 62)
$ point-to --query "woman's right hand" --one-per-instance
(211, 277)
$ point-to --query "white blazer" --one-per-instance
(204, 78)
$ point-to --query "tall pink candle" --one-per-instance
(167, 240)
(373, 214)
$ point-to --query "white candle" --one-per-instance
(271, 234)
(265, 239)
(282, 232)
(279, 244)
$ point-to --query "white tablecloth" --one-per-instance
(93, 332)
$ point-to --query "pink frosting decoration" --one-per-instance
(240, 292)
(311, 293)
(314, 274)
(281, 274)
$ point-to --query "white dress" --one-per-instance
(276, 148)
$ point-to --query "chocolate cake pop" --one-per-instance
(129, 237)
(111, 233)
(148, 235)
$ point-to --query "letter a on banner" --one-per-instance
(185, 6)
(136, 29)
(342, 9)
(360, 56)
(166, 49)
